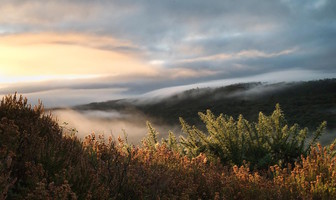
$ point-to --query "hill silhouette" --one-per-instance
(305, 103)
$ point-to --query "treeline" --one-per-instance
(233, 159)
(306, 103)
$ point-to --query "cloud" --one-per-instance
(272, 77)
(239, 55)
(135, 47)
(72, 97)
(74, 92)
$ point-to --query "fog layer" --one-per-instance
(109, 123)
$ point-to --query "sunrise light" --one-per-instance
(43, 57)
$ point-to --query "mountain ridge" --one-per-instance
(307, 102)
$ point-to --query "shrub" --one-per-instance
(313, 178)
(36, 156)
(269, 141)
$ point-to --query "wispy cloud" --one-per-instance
(239, 55)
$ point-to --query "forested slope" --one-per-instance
(306, 103)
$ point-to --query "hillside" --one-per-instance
(41, 160)
(306, 103)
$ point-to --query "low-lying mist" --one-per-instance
(110, 123)
(134, 124)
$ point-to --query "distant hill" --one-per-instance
(305, 103)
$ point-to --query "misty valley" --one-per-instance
(304, 103)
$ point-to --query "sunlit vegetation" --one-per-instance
(268, 142)
(233, 159)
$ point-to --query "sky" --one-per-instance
(70, 52)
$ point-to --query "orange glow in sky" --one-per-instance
(50, 56)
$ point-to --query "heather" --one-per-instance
(232, 159)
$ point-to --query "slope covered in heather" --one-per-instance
(41, 160)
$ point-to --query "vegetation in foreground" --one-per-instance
(234, 159)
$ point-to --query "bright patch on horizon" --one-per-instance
(49, 56)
